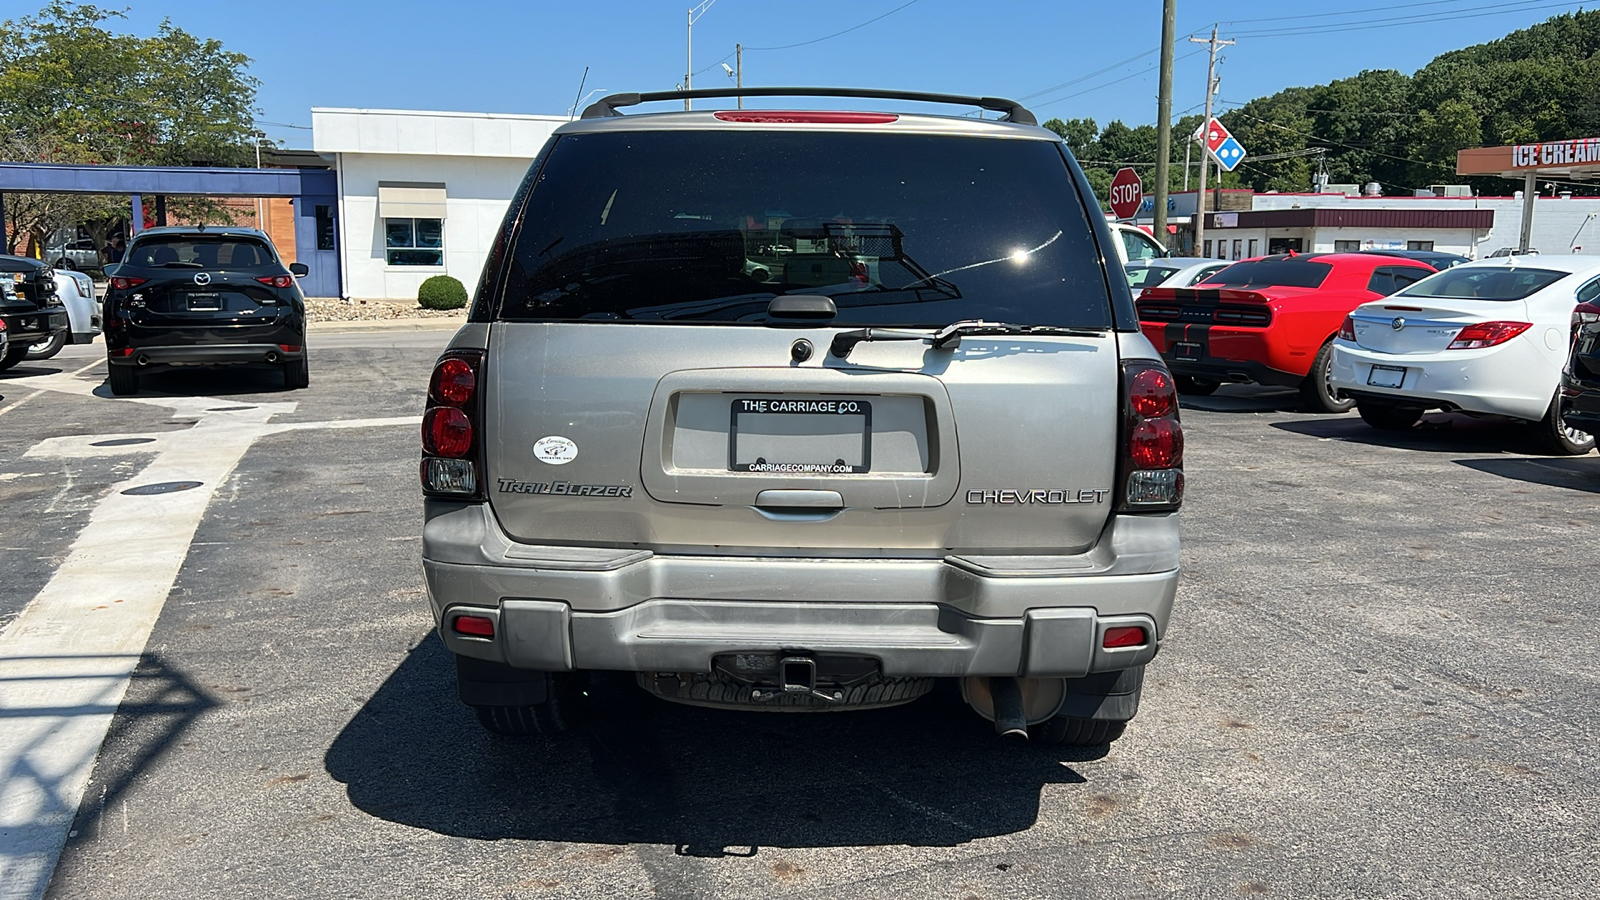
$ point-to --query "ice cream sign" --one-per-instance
(1583, 151)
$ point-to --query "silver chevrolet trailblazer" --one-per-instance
(803, 410)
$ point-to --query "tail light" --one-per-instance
(1149, 311)
(1233, 316)
(1347, 329)
(1487, 334)
(277, 281)
(452, 454)
(1584, 314)
(1152, 439)
(123, 284)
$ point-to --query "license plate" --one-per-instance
(1186, 350)
(205, 302)
(800, 436)
(1387, 376)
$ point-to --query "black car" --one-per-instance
(29, 306)
(1436, 258)
(200, 296)
(1580, 383)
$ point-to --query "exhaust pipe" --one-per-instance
(272, 356)
(1009, 720)
(144, 359)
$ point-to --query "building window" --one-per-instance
(1419, 245)
(1238, 247)
(414, 242)
(1252, 248)
(1346, 246)
(325, 230)
(1207, 251)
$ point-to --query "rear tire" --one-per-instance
(1385, 417)
(1196, 387)
(563, 708)
(297, 374)
(15, 354)
(124, 380)
(1316, 394)
(64, 264)
(48, 348)
(1068, 731)
(1559, 439)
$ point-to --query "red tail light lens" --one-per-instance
(123, 284)
(806, 117)
(1347, 329)
(277, 281)
(453, 383)
(1157, 444)
(446, 431)
(1487, 334)
(1152, 393)
(1585, 314)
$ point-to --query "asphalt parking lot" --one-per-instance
(1380, 682)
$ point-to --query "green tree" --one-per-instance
(73, 91)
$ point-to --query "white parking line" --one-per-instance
(66, 661)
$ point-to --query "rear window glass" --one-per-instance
(1148, 276)
(708, 227)
(196, 252)
(1272, 273)
(1486, 283)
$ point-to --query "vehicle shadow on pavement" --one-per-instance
(29, 370)
(707, 782)
(1576, 473)
(207, 382)
(1243, 399)
(1436, 433)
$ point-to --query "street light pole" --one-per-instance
(695, 12)
(259, 136)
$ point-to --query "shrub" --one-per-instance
(441, 292)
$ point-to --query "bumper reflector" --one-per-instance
(450, 476)
(476, 626)
(1115, 638)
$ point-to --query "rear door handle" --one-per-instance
(800, 499)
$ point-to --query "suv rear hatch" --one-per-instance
(643, 395)
(191, 286)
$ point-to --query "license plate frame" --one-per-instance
(762, 420)
(1186, 350)
(210, 302)
(1393, 376)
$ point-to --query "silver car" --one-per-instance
(1171, 271)
(76, 291)
(803, 411)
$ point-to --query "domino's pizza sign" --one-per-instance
(1223, 146)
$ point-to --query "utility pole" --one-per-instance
(1211, 87)
(738, 68)
(1169, 17)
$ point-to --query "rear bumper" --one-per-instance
(1511, 379)
(206, 355)
(561, 608)
(1227, 354)
(32, 327)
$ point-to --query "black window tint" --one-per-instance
(901, 229)
(1589, 292)
(198, 252)
(1272, 273)
(1405, 276)
(1485, 283)
(1381, 282)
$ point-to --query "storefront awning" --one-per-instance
(410, 200)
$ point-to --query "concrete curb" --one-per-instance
(438, 323)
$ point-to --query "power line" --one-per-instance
(1097, 87)
(1349, 12)
(1498, 9)
(814, 40)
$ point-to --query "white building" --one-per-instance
(422, 193)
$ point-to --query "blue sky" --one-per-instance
(529, 57)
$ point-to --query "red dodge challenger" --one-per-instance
(1269, 320)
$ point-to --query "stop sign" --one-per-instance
(1127, 192)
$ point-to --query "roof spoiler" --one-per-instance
(607, 107)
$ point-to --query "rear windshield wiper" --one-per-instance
(950, 334)
(181, 265)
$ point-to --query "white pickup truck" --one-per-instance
(1134, 242)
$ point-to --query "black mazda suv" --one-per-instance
(202, 296)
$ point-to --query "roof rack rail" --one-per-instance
(607, 107)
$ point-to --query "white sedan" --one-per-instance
(1487, 337)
